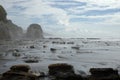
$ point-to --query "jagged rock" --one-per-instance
(104, 74)
(8, 30)
(18, 72)
(34, 31)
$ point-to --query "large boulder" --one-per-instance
(60, 67)
(22, 68)
(63, 71)
(104, 74)
(18, 72)
(8, 30)
(34, 31)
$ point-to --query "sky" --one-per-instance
(67, 18)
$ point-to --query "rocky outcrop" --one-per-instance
(3, 14)
(18, 72)
(104, 74)
(63, 71)
(8, 30)
(34, 31)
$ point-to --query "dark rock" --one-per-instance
(68, 76)
(103, 71)
(53, 50)
(34, 31)
(31, 61)
(60, 67)
(111, 77)
(32, 47)
(18, 76)
(18, 72)
(63, 71)
(23, 68)
(104, 74)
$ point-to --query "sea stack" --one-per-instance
(34, 31)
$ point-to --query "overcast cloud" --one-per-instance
(67, 18)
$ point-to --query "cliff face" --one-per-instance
(4, 34)
(34, 31)
(3, 14)
(8, 30)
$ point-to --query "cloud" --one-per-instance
(96, 8)
(35, 9)
(44, 9)
(110, 3)
(72, 18)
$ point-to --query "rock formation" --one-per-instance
(63, 71)
(18, 72)
(34, 31)
(104, 74)
(3, 14)
(8, 30)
